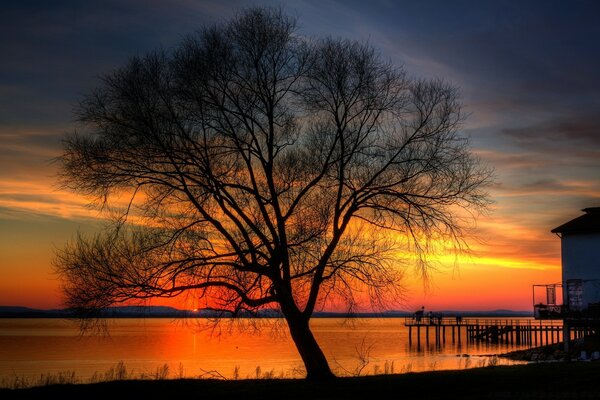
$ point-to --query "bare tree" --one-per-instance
(265, 170)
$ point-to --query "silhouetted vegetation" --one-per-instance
(543, 381)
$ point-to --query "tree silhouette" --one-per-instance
(263, 169)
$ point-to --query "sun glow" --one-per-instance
(497, 272)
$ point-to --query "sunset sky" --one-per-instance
(529, 74)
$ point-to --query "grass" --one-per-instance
(559, 380)
(120, 372)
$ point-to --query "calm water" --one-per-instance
(31, 347)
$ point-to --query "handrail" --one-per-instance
(461, 321)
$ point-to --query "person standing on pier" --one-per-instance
(419, 314)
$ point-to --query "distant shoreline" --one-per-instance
(169, 312)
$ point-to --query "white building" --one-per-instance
(580, 247)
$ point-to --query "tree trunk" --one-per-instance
(317, 368)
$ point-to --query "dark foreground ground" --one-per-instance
(558, 380)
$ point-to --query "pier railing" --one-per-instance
(461, 321)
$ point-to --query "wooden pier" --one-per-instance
(509, 331)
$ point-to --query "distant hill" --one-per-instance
(26, 312)
(112, 312)
(445, 313)
(170, 312)
(126, 312)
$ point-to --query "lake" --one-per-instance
(193, 348)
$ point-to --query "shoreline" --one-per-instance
(558, 380)
(582, 349)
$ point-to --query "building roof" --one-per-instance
(586, 223)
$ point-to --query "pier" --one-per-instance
(510, 331)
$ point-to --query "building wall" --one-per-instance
(581, 260)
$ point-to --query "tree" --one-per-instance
(263, 169)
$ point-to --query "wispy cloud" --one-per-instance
(35, 197)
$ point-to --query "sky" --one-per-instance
(527, 72)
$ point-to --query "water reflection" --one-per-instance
(30, 347)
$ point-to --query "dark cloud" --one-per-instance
(28, 151)
(572, 132)
(32, 139)
(550, 185)
(536, 189)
